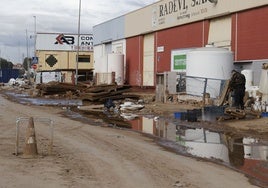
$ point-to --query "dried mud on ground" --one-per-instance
(95, 156)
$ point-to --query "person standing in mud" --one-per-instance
(237, 86)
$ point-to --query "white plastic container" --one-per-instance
(249, 78)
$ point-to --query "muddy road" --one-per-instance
(97, 156)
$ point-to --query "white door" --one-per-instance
(148, 60)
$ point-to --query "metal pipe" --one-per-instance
(27, 60)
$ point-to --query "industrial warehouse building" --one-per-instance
(57, 57)
(157, 38)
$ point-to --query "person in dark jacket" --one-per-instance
(237, 85)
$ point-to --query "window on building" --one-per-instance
(84, 58)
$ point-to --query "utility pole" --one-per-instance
(34, 36)
(78, 46)
(0, 59)
(28, 63)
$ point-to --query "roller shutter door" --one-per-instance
(148, 60)
(220, 32)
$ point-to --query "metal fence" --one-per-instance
(45, 143)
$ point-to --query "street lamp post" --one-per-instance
(27, 60)
(34, 36)
(78, 46)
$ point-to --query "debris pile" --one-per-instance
(53, 88)
(21, 82)
(103, 92)
(233, 113)
(98, 93)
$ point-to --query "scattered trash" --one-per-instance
(177, 115)
(129, 116)
(131, 106)
(17, 82)
(109, 104)
(11, 82)
(264, 114)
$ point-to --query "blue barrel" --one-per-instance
(177, 115)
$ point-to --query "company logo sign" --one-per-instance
(61, 39)
(65, 42)
(86, 42)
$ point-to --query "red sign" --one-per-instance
(34, 66)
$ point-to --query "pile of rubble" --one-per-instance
(85, 91)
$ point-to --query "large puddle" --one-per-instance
(245, 154)
(248, 155)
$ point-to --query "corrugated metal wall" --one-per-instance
(134, 60)
(109, 31)
(249, 34)
(7, 74)
(186, 36)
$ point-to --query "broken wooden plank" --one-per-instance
(96, 97)
(235, 112)
(224, 93)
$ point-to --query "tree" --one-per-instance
(25, 63)
(4, 64)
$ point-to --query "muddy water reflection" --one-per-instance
(249, 155)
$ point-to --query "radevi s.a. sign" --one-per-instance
(168, 13)
(181, 10)
(179, 5)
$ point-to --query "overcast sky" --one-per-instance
(53, 16)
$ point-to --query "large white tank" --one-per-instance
(116, 64)
(213, 63)
(264, 84)
(100, 65)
